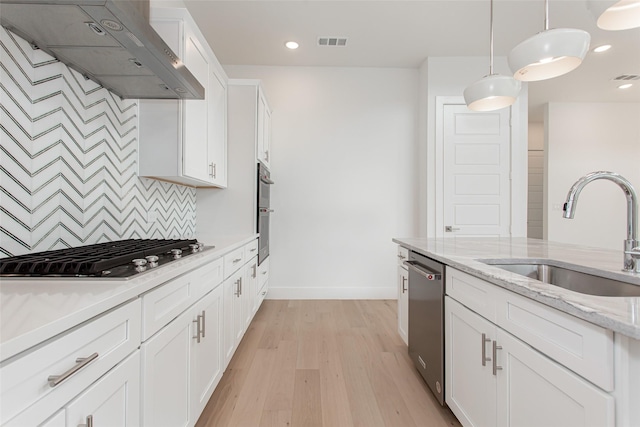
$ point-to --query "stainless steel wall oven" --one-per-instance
(264, 211)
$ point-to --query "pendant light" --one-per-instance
(616, 14)
(493, 91)
(550, 53)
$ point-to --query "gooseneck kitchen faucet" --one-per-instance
(631, 244)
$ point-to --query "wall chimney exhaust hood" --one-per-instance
(108, 41)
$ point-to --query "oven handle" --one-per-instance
(423, 271)
(266, 180)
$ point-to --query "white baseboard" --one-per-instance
(332, 293)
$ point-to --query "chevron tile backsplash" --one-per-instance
(68, 161)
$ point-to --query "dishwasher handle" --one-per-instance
(422, 270)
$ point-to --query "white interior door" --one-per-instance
(476, 172)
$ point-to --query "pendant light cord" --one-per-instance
(546, 15)
(491, 41)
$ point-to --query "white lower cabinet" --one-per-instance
(233, 313)
(113, 400)
(493, 378)
(470, 384)
(181, 365)
(403, 304)
(166, 368)
(250, 292)
(206, 355)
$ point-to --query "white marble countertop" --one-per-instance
(620, 314)
(34, 310)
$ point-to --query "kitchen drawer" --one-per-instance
(206, 278)
(251, 250)
(233, 261)
(474, 293)
(165, 302)
(112, 336)
(403, 255)
(263, 273)
(581, 346)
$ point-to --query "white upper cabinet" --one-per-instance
(186, 141)
(264, 130)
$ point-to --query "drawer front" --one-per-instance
(208, 277)
(403, 255)
(263, 273)
(233, 261)
(166, 302)
(472, 292)
(250, 250)
(583, 347)
(25, 381)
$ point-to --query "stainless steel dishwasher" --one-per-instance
(426, 320)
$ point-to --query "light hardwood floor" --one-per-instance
(328, 363)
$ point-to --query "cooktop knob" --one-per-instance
(152, 260)
(194, 247)
(177, 253)
(139, 262)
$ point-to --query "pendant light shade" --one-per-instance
(492, 92)
(616, 14)
(549, 54)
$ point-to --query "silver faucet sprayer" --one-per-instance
(631, 244)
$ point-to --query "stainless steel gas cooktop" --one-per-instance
(120, 259)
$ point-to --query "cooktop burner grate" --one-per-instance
(89, 260)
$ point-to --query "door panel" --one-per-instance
(477, 187)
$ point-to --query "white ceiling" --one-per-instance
(404, 33)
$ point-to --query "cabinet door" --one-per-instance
(206, 355)
(113, 400)
(403, 304)
(217, 147)
(470, 385)
(232, 322)
(535, 391)
(196, 114)
(249, 292)
(267, 136)
(165, 375)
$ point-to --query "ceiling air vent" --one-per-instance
(627, 77)
(332, 41)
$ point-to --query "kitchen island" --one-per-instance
(520, 351)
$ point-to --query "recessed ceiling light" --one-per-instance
(625, 86)
(292, 45)
(603, 48)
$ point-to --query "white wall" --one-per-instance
(448, 77)
(344, 152)
(582, 138)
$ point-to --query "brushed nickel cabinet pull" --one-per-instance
(404, 280)
(197, 322)
(255, 271)
(203, 322)
(81, 362)
(89, 422)
(485, 359)
(237, 260)
(496, 368)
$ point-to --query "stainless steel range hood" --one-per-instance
(108, 41)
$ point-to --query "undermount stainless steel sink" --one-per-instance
(567, 278)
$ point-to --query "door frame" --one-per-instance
(518, 168)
